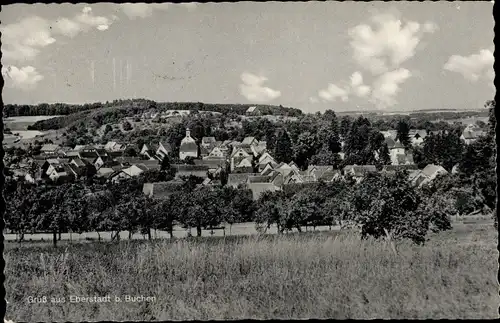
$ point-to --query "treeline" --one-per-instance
(382, 204)
(133, 107)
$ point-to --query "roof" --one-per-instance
(247, 140)
(133, 170)
(50, 147)
(105, 171)
(166, 145)
(397, 145)
(390, 142)
(151, 164)
(327, 176)
(259, 188)
(187, 168)
(189, 147)
(251, 109)
(432, 170)
(360, 170)
(211, 162)
(161, 189)
(78, 147)
(259, 179)
(88, 154)
(79, 162)
(235, 179)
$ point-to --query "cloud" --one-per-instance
(24, 40)
(362, 90)
(334, 92)
(313, 99)
(24, 78)
(386, 87)
(142, 10)
(356, 79)
(472, 67)
(190, 5)
(389, 44)
(254, 91)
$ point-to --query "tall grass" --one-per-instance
(293, 276)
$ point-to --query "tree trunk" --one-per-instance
(130, 234)
(230, 227)
(279, 231)
(155, 233)
(59, 238)
(299, 228)
(54, 238)
(98, 236)
(171, 232)
(149, 234)
(198, 231)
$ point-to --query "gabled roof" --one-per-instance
(133, 170)
(78, 147)
(78, 161)
(50, 147)
(239, 178)
(105, 171)
(251, 109)
(393, 168)
(211, 162)
(129, 160)
(248, 140)
(397, 145)
(189, 168)
(390, 142)
(328, 175)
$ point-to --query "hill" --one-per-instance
(98, 114)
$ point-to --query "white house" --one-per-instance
(188, 148)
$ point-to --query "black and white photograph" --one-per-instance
(249, 160)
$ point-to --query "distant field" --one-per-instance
(311, 275)
(238, 229)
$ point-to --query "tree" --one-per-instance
(127, 126)
(384, 158)
(305, 148)
(107, 129)
(130, 152)
(271, 207)
(403, 131)
(345, 126)
(326, 157)
(283, 148)
(387, 205)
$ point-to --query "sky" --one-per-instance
(344, 56)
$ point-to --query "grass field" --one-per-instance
(308, 275)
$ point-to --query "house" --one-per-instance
(284, 169)
(105, 160)
(471, 133)
(50, 150)
(214, 164)
(150, 164)
(417, 136)
(253, 111)
(395, 151)
(218, 152)
(266, 159)
(358, 172)
(318, 170)
(128, 161)
(164, 149)
(269, 168)
(390, 134)
(329, 175)
(162, 190)
(238, 156)
(236, 180)
(428, 174)
(261, 184)
(208, 142)
(400, 167)
(188, 147)
(129, 172)
(61, 173)
(190, 170)
(204, 152)
(105, 172)
(389, 142)
(249, 141)
(113, 146)
(299, 177)
(244, 166)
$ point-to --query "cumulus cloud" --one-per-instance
(142, 10)
(389, 44)
(356, 87)
(474, 66)
(24, 78)
(334, 92)
(253, 89)
(23, 40)
(387, 86)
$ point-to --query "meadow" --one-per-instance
(307, 275)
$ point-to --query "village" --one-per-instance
(246, 164)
